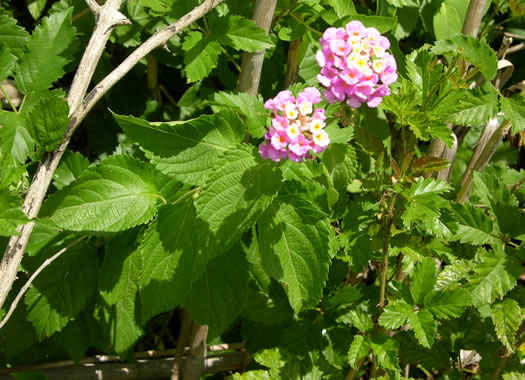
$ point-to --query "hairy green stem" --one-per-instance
(384, 264)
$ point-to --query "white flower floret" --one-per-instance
(316, 125)
(305, 108)
(291, 111)
(293, 130)
(321, 138)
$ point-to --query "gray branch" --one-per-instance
(251, 65)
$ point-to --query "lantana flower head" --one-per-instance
(297, 128)
(355, 65)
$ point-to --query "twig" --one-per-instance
(516, 48)
(514, 35)
(44, 174)
(251, 65)
(32, 278)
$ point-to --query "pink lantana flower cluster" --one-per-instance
(297, 129)
(355, 65)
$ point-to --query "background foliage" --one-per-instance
(357, 263)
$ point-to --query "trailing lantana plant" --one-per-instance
(311, 225)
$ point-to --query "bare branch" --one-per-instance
(44, 174)
(108, 17)
(93, 5)
(473, 18)
(32, 278)
(251, 66)
(470, 28)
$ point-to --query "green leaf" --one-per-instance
(343, 8)
(294, 246)
(476, 108)
(428, 186)
(404, 3)
(513, 376)
(423, 280)
(395, 314)
(478, 52)
(71, 166)
(241, 34)
(446, 304)
(186, 150)
(446, 22)
(507, 317)
(252, 107)
(46, 54)
(514, 110)
(15, 138)
(48, 120)
(7, 61)
(202, 55)
(502, 204)
(118, 285)
(14, 36)
(381, 23)
(360, 319)
(75, 338)
(238, 191)
(427, 164)
(474, 225)
(358, 349)
(424, 326)
(11, 215)
(386, 350)
(425, 205)
(217, 296)
(36, 7)
(424, 70)
(118, 194)
(495, 275)
(168, 253)
(62, 289)
(341, 163)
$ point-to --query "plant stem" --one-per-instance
(384, 264)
